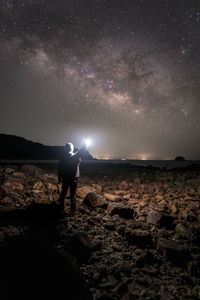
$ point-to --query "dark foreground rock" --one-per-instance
(32, 266)
(175, 251)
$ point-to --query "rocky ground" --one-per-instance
(137, 234)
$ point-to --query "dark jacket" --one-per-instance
(68, 168)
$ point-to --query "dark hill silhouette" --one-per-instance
(15, 147)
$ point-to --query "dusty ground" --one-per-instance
(137, 234)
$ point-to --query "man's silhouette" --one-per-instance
(68, 174)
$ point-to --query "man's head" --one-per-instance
(69, 148)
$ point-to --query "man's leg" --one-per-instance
(73, 187)
(63, 194)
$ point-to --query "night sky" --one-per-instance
(126, 73)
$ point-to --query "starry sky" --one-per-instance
(125, 73)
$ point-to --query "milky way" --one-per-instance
(125, 73)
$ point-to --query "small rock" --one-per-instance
(193, 268)
(19, 175)
(98, 188)
(120, 192)
(9, 170)
(127, 197)
(12, 185)
(123, 185)
(39, 186)
(109, 225)
(52, 187)
(154, 216)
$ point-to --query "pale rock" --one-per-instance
(120, 192)
(19, 175)
(84, 190)
(6, 201)
(45, 199)
(12, 185)
(123, 185)
(143, 203)
(98, 188)
(133, 201)
(145, 197)
(136, 195)
(39, 186)
(52, 187)
(127, 197)
(159, 197)
(112, 197)
(93, 200)
(9, 170)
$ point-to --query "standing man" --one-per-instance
(68, 174)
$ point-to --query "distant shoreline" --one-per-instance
(168, 164)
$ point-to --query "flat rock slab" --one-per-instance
(122, 210)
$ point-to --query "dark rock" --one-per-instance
(157, 217)
(193, 268)
(80, 246)
(174, 251)
(121, 288)
(154, 216)
(140, 238)
(93, 200)
(34, 268)
(31, 169)
(146, 258)
(122, 210)
(131, 296)
(109, 225)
